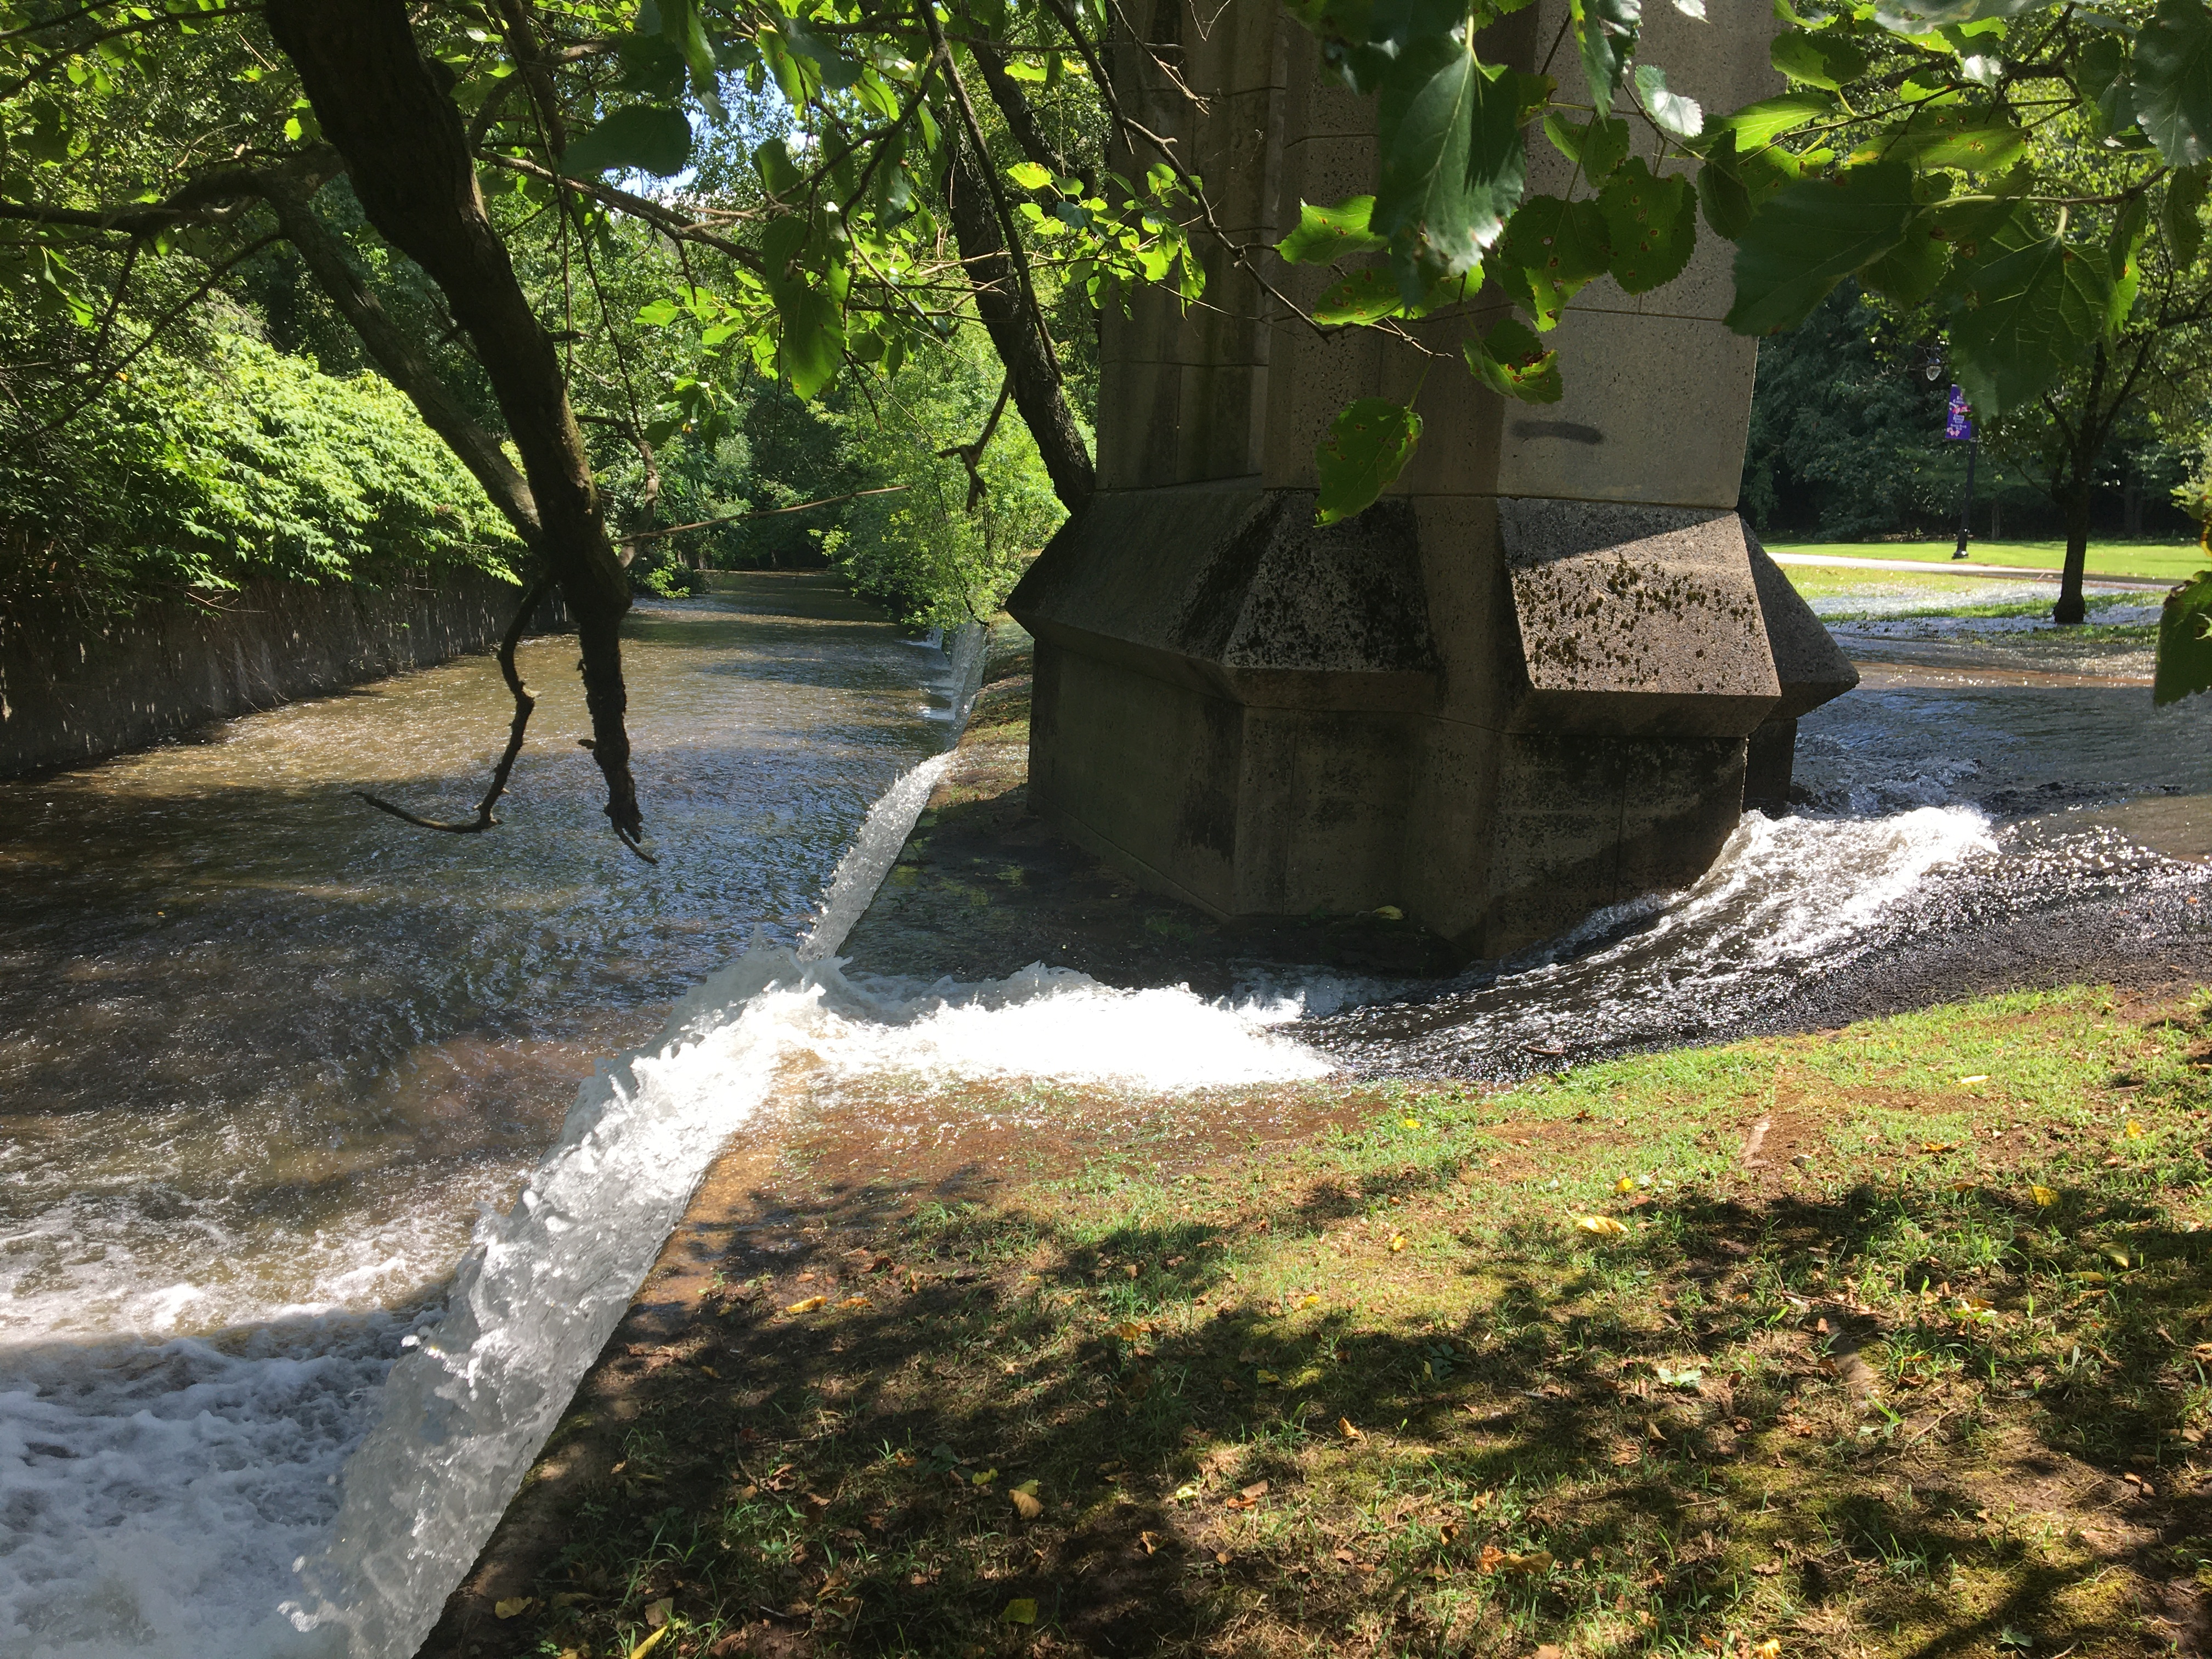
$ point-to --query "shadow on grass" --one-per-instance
(1785, 1415)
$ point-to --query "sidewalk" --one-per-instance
(1967, 568)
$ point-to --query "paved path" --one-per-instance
(1967, 568)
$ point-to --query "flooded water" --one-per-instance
(317, 1196)
(1987, 808)
(265, 1056)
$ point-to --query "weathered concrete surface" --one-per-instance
(984, 888)
(74, 689)
(1544, 674)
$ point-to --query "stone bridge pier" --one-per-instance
(1543, 675)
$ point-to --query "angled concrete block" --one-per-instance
(1543, 676)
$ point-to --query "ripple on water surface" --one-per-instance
(265, 1053)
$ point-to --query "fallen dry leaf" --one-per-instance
(1022, 1610)
(854, 1301)
(2135, 1130)
(1625, 1186)
(1397, 1243)
(1025, 1504)
(1257, 1489)
(808, 1306)
(1604, 1227)
(657, 1612)
(1344, 1424)
(1150, 1541)
(1939, 1145)
(510, 1607)
(649, 1643)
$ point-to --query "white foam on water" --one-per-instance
(154, 1499)
(544, 1284)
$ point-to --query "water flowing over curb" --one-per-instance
(543, 1286)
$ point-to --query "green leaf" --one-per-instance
(1947, 139)
(1596, 146)
(1453, 166)
(1606, 31)
(2022, 311)
(813, 343)
(1365, 296)
(1917, 18)
(1756, 126)
(652, 138)
(834, 72)
(1733, 187)
(1512, 362)
(2182, 213)
(1823, 59)
(1652, 227)
(1913, 271)
(1029, 175)
(2184, 641)
(1366, 448)
(1811, 236)
(1550, 250)
(2174, 81)
(1326, 234)
(1670, 111)
(772, 159)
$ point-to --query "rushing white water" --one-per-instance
(464, 1412)
(311, 1484)
(1786, 898)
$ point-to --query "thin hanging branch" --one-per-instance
(970, 455)
(524, 704)
(765, 512)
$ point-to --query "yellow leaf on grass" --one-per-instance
(2115, 1254)
(808, 1306)
(1625, 1185)
(512, 1605)
(1128, 1330)
(1397, 1243)
(1026, 1503)
(983, 1477)
(1979, 1077)
(1939, 1145)
(657, 1614)
(650, 1643)
(854, 1301)
(1344, 1424)
(1604, 1227)
(1022, 1610)
(2135, 1130)
(1389, 913)
(2043, 1197)
(1413, 1123)
(1269, 1376)
(1770, 1648)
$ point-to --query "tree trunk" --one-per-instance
(2076, 503)
(1037, 389)
(407, 153)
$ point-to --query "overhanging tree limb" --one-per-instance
(407, 152)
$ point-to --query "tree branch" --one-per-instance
(766, 513)
(524, 704)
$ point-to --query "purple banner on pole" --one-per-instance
(1958, 423)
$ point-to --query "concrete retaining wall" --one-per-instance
(73, 690)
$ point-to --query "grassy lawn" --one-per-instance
(1884, 1341)
(2159, 561)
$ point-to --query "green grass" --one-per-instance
(1569, 1366)
(2157, 560)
